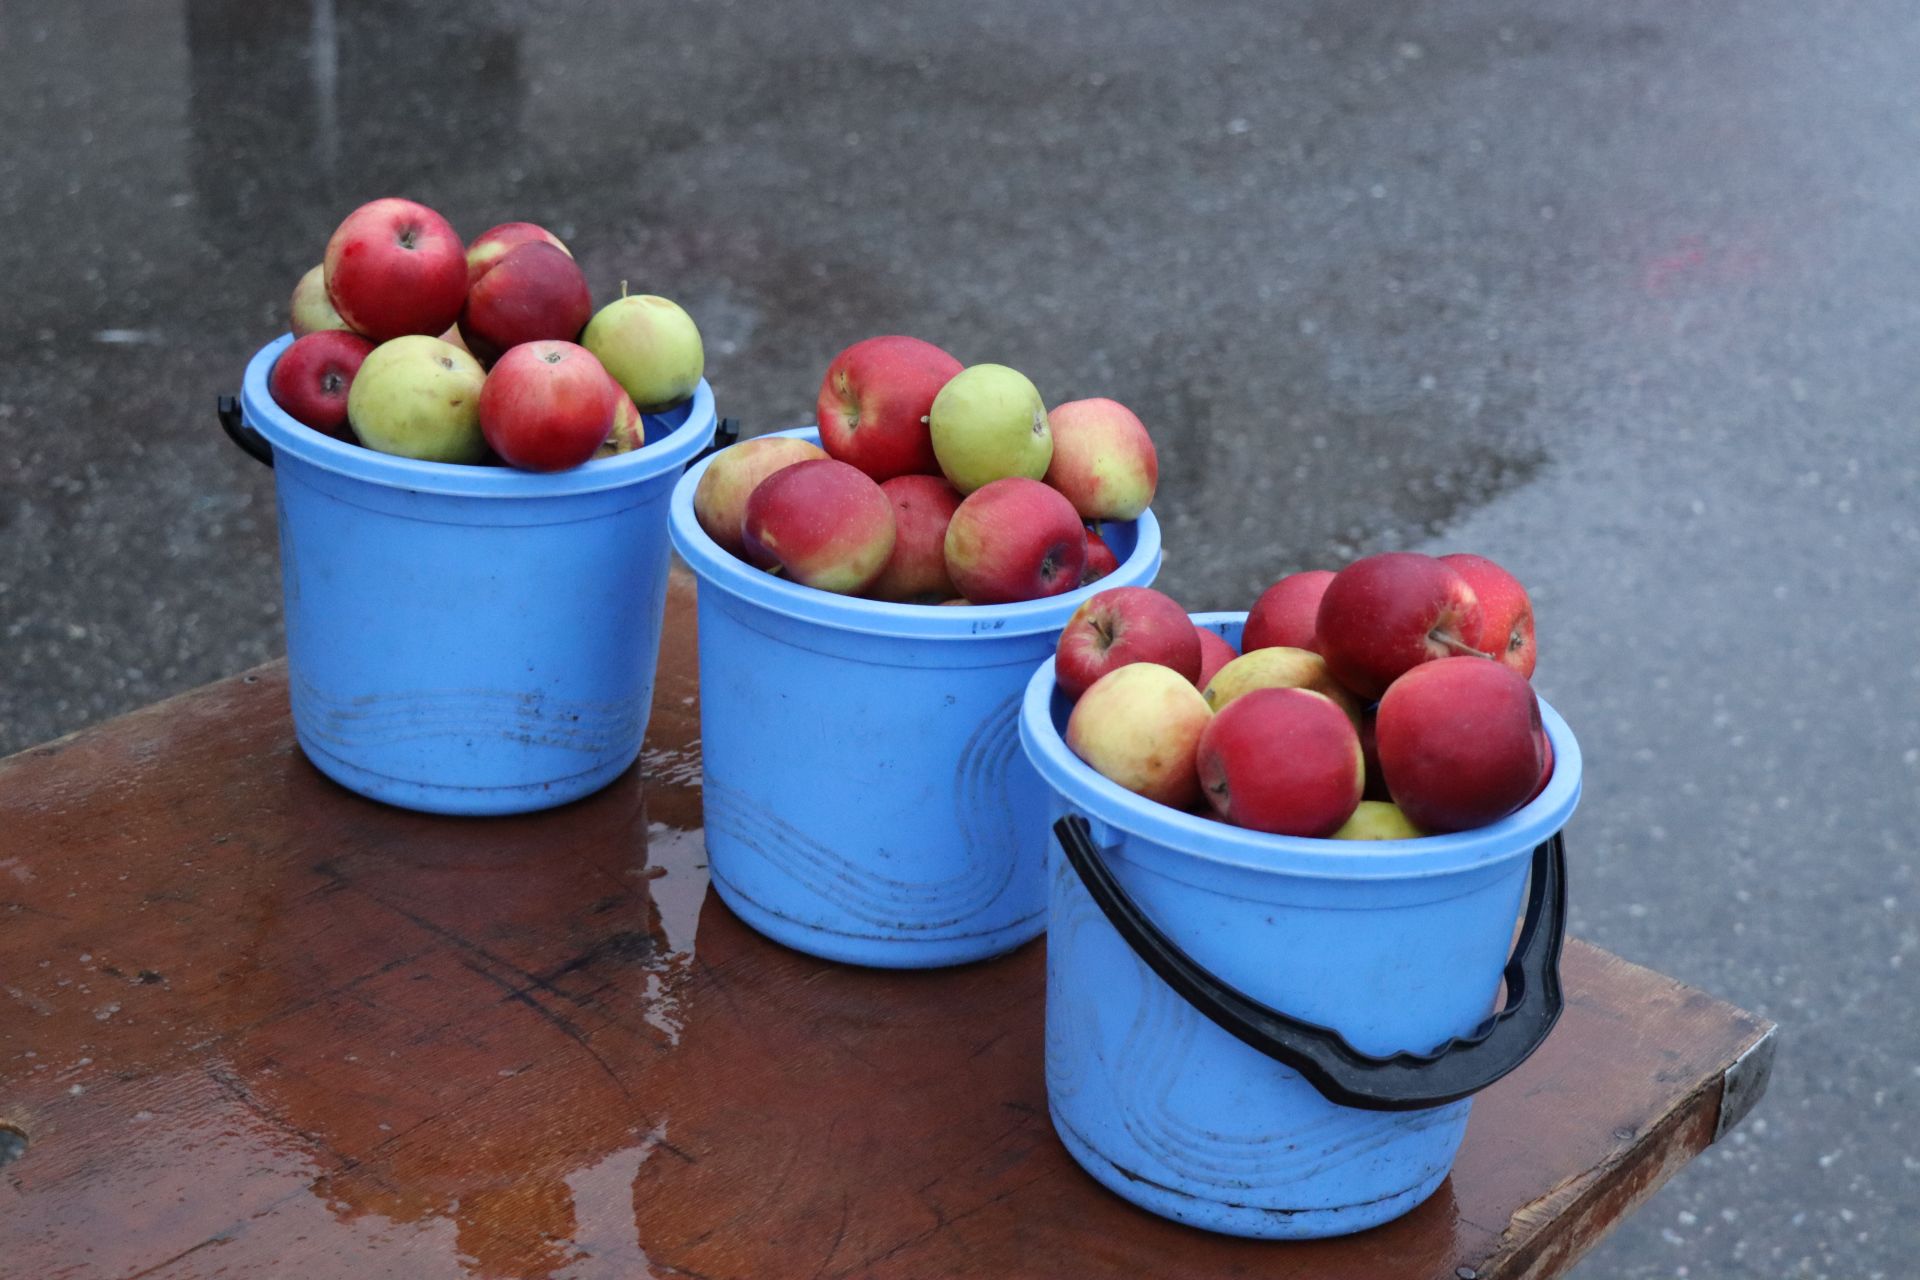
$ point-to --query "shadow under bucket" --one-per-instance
(469, 639)
(866, 799)
(1278, 1037)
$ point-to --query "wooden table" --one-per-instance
(255, 1026)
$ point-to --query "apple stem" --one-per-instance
(623, 288)
(1460, 648)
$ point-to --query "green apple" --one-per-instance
(650, 346)
(1378, 820)
(419, 397)
(989, 423)
(311, 310)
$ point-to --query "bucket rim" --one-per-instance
(464, 480)
(713, 564)
(1240, 848)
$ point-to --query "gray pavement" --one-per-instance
(1626, 297)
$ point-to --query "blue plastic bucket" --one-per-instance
(1371, 967)
(469, 639)
(866, 798)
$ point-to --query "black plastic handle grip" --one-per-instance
(1344, 1075)
(251, 442)
(723, 435)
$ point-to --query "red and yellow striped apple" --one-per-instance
(1015, 539)
(1103, 459)
(825, 523)
(1138, 726)
(495, 243)
(720, 499)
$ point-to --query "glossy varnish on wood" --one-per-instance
(252, 1025)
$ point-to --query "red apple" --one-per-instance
(1286, 761)
(495, 243)
(1460, 743)
(916, 572)
(311, 378)
(825, 523)
(1100, 558)
(1506, 613)
(1137, 726)
(532, 293)
(1123, 625)
(308, 309)
(1215, 653)
(874, 402)
(1103, 459)
(1015, 539)
(1546, 766)
(720, 499)
(1385, 614)
(546, 406)
(394, 267)
(1287, 612)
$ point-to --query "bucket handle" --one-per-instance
(723, 435)
(1399, 1082)
(251, 442)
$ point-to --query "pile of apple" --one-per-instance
(1389, 700)
(408, 342)
(932, 484)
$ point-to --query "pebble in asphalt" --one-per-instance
(1623, 297)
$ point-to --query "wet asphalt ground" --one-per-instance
(1626, 297)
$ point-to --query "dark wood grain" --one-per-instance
(252, 1025)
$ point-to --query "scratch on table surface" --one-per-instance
(566, 1027)
(1551, 1231)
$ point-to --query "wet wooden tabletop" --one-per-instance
(254, 1026)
